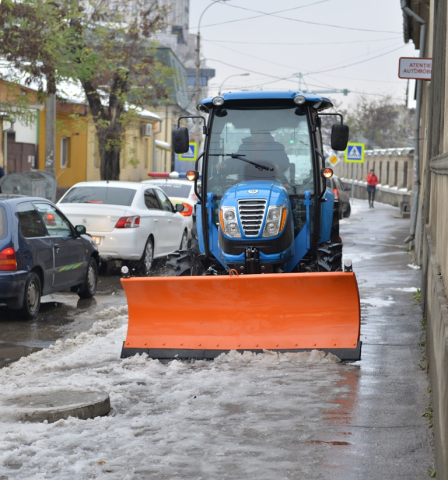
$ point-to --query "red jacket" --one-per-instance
(372, 180)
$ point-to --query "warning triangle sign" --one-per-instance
(354, 152)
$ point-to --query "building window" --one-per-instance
(65, 149)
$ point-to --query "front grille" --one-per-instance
(251, 213)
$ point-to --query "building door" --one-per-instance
(21, 157)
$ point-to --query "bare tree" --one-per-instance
(105, 45)
(384, 123)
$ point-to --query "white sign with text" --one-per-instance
(415, 68)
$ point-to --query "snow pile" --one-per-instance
(414, 267)
(378, 302)
(315, 356)
(241, 416)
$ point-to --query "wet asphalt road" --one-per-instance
(61, 314)
(376, 429)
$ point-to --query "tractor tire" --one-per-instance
(330, 253)
(330, 257)
(179, 264)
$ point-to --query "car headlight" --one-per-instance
(275, 220)
(229, 225)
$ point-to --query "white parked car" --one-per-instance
(128, 221)
(180, 192)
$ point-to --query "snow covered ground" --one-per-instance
(239, 417)
(236, 417)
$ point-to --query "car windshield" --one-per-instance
(277, 138)
(175, 189)
(100, 195)
(3, 223)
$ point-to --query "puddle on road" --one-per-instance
(10, 353)
(61, 314)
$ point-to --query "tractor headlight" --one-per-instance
(229, 215)
(276, 220)
(229, 225)
(274, 213)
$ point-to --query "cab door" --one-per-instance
(70, 259)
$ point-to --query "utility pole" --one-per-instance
(50, 134)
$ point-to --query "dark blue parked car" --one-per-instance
(41, 253)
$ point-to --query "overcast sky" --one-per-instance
(334, 44)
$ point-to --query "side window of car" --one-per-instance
(29, 220)
(56, 224)
(151, 200)
(166, 204)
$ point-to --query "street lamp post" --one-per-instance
(198, 62)
(230, 76)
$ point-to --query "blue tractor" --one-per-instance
(264, 270)
(264, 205)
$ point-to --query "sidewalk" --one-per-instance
(238, 417)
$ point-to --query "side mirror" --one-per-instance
(80, 229)
(181, 140)
(339, 137)
(347, 187)
(179, 207)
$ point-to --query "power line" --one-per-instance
(363, 79)
(248, 70)
(303, 43)
(273, 14)
(356, 63)
(288, 79)
(283, 65)
(259, 16)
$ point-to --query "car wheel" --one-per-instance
(147, 258)
(184, 241)
(348, 211)
(88, 289)
(31, 298)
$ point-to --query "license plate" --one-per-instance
(97, 240)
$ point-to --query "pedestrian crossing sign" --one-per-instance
(354, 153)
(192, 153)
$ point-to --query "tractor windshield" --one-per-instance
(276, 138)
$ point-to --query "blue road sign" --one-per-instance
(354, 153)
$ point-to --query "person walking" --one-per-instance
(372, 182)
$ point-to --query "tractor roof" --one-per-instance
(271, 98)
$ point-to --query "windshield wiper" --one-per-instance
(239, 157)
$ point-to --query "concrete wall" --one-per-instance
(394, 169)
(436, 312)
(431, 236)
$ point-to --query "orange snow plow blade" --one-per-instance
(201, 317)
